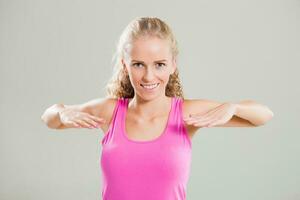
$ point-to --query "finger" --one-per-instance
(203, 122)
(194, 120)
(210, 125)
(193, 116)
(198, 120)
(214, 116)
(94, 123)
(84, 124)
(196, 123)
(200, 124)
(204, 117)
(211, 113)
(97, 119)
(200, 116)
(76, 124)
(91, 122)
(206, 124)
(216, 122)
(72, 124)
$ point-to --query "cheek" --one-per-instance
(165, 77)
(134, 77)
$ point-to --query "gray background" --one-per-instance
(60, 52)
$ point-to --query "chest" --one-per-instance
(132, 160)
(142, 130)
(136, 128)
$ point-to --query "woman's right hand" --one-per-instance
(75, 119)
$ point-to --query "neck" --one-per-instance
(149, 108)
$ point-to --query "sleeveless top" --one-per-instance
(156, 169)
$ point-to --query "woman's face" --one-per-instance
(149, 65)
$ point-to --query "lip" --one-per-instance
(148, 85)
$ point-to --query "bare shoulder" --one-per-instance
(100, 107)
(195, 106)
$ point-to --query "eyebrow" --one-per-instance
(154, 61)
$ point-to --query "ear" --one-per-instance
(174, 65)
(124, 65)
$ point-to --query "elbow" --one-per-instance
(43, 118)
(47, 122)
(264, 119)
(269, 115)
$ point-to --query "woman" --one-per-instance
(148, 124)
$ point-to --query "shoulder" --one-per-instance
(195, 106)
(102, 107)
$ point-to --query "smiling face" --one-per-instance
(149, 65)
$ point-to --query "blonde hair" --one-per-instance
(119, 85)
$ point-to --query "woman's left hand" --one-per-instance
(216, 116)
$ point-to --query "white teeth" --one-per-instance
(150, 86)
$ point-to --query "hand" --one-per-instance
(76, 119)
(216, 116)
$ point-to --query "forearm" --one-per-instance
(256, 113)
(51, 116)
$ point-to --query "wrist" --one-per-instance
(59, 108)
(237, 108)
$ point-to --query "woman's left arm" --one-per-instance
(209, 113)
(254, 112)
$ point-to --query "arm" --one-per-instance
(256, 113)
(245, 113)
(51, 115)
(99, 108)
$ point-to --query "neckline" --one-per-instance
(124, 132)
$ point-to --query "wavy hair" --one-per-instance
(119, 86)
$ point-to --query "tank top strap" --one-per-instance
(115, 125)
(177, 111)
(178, 120)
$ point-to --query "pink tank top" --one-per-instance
(156, 169)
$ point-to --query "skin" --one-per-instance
(149, 110)
(150, 61)
(143, 66)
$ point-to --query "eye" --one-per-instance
(161, 64)
(134, 64)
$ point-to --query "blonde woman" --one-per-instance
(148, 125)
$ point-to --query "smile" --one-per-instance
(150, 87)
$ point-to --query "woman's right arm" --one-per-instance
(51, 116)
(92, 113)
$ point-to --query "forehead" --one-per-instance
(150, 47)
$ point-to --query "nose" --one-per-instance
(149, 75)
